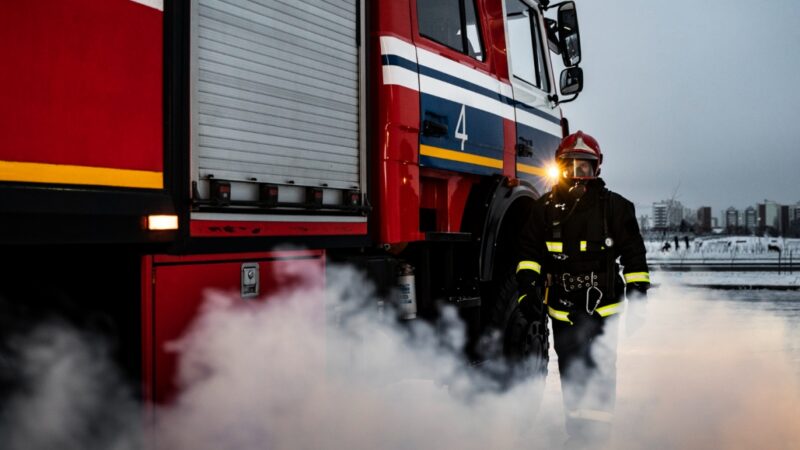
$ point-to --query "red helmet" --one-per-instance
(580, 146)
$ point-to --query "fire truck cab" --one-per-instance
(150, 149)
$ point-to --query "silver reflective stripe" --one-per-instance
(610, 309)
(595, 415)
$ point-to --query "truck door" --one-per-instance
(538, 119)
(462, 107)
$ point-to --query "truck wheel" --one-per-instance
(523, 345)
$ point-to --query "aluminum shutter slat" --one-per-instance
(276, 92)
(269, 140)
(302, 135)
(337, 10)
(281, 115)
(273, 38)
(256, 150)
(309, 166)
(279, 123)
(216, 40)
(236, 88)
(315, 37)
(281, 79)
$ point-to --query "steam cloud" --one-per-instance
(67, 395)
(308, 369)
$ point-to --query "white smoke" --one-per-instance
(268, 377)
(325, 369)
(704, 375)
(67, 395)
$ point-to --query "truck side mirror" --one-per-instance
(568, 34)
(571, 80)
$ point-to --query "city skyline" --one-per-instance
(679, 95)
(766, 215)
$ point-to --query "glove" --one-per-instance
(637, 307)
(527, 280)
(530, 300)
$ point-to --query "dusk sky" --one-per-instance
(696, 99)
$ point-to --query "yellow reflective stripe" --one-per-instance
(532, 170)
(28, 172)
(555, 247)
(558, 315)
(529, 265)
(452, 155)
(608, 310)
(519, 300)
(583, 246)
(636, 277)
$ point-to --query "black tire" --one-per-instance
(514, 348)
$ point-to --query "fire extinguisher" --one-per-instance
(407, 295)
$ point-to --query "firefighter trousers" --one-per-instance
(587, 359)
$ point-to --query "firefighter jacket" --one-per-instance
(576, 242)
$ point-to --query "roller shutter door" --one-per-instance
(276, 92)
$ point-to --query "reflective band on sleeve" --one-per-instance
(637, 277)
(529, 265)
(559, 315)
(608, 310)
(555, 247)
(594, 415)
(519, 300)
(583, 246)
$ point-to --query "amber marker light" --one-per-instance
(162, 222)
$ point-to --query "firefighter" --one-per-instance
(568, 269)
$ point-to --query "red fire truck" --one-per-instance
(151, 149)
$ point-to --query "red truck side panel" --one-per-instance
(397, 133)
(82, 93)
(178, 285)
(447, 193)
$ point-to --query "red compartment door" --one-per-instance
(177, 290)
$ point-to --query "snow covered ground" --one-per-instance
(742, 280)
(725, 248)
(728, 253)
(727, 261)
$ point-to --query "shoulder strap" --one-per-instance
(552, 225)
(604, 201)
